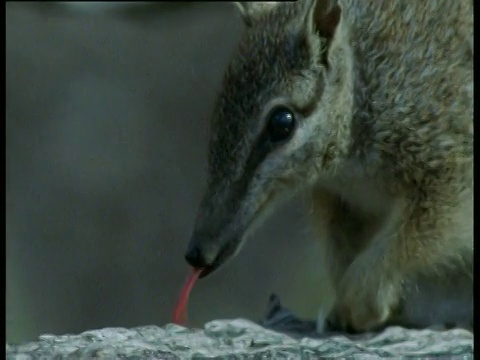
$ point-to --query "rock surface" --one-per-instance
(243, 339)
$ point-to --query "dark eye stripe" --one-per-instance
(260, 150)
(262, 146)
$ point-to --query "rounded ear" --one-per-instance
(322, 21)
(323, 17)
(251, 11)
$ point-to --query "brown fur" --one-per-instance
(383, 92)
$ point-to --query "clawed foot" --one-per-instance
(364, 302)
(356, 319)
(281, 319)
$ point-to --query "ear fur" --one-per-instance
(321, 22)
(327, 17)
(251, 11)
(324, 17)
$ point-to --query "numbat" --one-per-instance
(367, 106)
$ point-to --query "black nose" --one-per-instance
(195, 257)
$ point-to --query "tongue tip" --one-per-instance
(180, 312)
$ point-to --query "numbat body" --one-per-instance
(367, 107)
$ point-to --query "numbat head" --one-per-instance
(282, 117)
(366, 105)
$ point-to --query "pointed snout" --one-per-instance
(200, 251)
(195, 256)
(224, 216)
(209, 253)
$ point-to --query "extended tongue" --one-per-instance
(180, 311)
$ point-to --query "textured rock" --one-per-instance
(243, 339)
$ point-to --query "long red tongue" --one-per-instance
(180, 312)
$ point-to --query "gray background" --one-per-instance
(106, 130)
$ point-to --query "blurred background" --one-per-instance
(107, 109)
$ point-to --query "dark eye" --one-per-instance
(281, 124)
